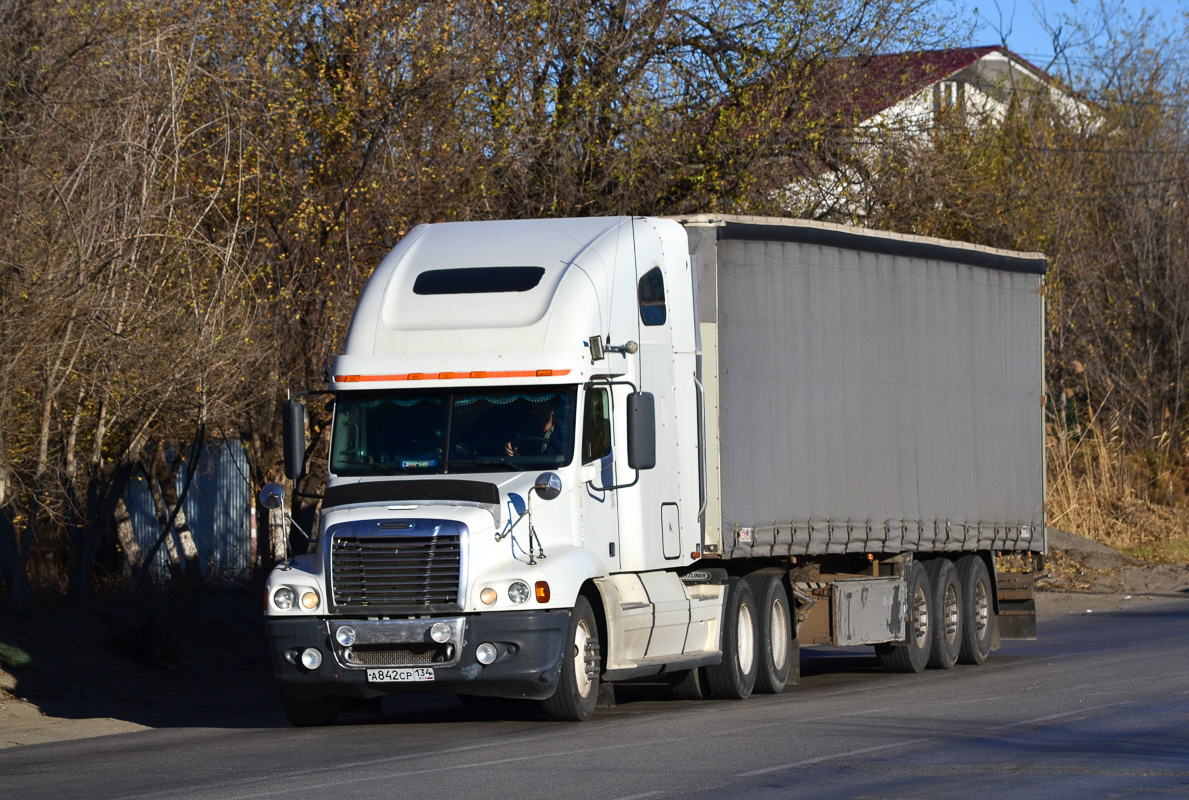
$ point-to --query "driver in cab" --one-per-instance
(542, 436)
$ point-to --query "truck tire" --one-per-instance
(735, 676)
(913, 654)
(947, 604)
(774, 626)
(978, 613)
(311, 712)
(577, 690)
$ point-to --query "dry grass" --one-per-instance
(1135, 503)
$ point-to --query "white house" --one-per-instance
(892, 100)
(916, 91)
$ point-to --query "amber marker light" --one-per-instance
(695, 554)
(542, 592)
(488, 596)
(449, 376)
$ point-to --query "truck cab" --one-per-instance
(491, 503)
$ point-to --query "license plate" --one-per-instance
(403, 675)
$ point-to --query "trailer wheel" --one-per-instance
(913, 654)
(978, 615)
(577, 690)
(735, 676)
(774, 625)
(311, 712)
(947, 620)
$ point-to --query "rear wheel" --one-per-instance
(774, 626)
(735, 676)
(913, 654)
(947, 602)
(578, 688)
(978, 614)
(309, 712)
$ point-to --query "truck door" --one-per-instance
(600, 512)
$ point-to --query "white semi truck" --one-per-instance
(569, 452)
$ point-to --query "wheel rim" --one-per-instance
(745, 639)
(582, 658)
(950, 613)
(982, 610)
(920, 616)
(776, 634)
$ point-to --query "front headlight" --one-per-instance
(518, 592)
(283, 598)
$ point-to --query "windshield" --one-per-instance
(434, 432)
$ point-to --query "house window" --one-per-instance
(948, 97)
(651, 292)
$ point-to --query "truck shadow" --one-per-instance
(166, 658)
(833, 660)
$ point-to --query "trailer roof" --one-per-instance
(802, 231)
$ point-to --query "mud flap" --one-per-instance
(1016, 617)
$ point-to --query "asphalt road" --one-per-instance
(1099, 707)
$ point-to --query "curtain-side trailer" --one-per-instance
(571, 452)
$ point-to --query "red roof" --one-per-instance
(868, 85)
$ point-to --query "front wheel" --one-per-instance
(578, 688)
(735, 676)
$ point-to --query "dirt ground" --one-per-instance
(184, 659)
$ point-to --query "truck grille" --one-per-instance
(418, 570)
(397, 656)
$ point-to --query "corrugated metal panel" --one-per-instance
(218, 508)
(876, 402)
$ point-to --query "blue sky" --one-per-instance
(1021, 20)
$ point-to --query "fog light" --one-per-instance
(484, 653)
(487, 596)
(518, 592)
(309, 601)
(311, 658)
(283, 598)
(440, 632)
(345, 636)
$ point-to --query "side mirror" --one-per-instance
(293, 435)
(547, 486)
(641, 430)
(272, 495)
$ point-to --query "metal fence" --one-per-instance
(218, 507)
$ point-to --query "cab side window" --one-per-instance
(596, 426)
(651, 294)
